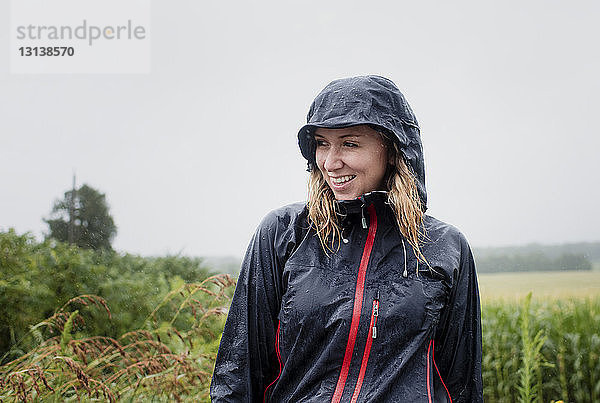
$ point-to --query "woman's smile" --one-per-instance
(341, 180)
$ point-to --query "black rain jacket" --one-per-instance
(368, 323)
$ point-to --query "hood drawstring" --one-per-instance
(345, 229)
(405, 273)
(362, 212)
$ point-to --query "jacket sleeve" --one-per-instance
(457, 349)
(247, 361)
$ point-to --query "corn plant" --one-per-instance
(541, 350)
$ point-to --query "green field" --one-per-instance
(87, 325)
(542, 284)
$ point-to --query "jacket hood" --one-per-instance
(367, 100)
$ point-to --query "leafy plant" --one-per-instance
(160, 362)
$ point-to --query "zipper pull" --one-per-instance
(375, 314)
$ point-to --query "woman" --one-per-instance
(356, 295)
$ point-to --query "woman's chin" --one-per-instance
(339, 196)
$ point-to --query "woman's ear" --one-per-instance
(392, 154)
(390, 148)
(391, 158)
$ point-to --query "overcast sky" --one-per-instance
(194, 154)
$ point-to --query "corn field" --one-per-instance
(542, 350)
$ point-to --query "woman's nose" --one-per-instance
(333, 160)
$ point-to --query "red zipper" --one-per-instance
(431, 349)
(278, 359)
(372, 335)
(437, 370)
(358, 300)
(428, 386)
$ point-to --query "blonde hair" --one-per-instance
(403, 198)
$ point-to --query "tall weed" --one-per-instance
(162, 361)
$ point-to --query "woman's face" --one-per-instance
(353, 160)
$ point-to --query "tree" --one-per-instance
(82, 218)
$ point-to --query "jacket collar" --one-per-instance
(359, 205)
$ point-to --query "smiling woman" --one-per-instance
(357, 294)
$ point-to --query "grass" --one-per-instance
(546, 285)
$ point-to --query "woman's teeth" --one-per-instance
(342, 179)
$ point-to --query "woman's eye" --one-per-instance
(321, 143)
(350, 144)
